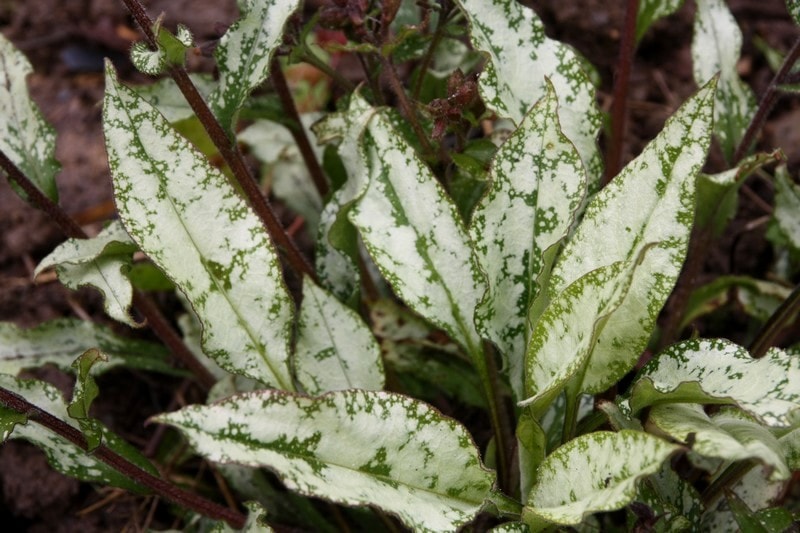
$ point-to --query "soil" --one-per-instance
(66, 43)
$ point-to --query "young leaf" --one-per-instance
(60, 341)
(568, 330)
(609, 466)
(337, 251)
(256, 521)
(189, 219)
(25, 137)
(725, 436)
(84, 394)
(351, 447)
(245, 52)
(787, 207)
(521, 58)
(719, 371)
(102, 262)
(675, 501)
(335, 349)
(61, 454)
(538, 183)
(413, 232)
(652, 10)
(650, 201)
(716, 47)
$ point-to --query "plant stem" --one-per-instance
(131, 471)
(779, 320)
(297, 130)
(141, 302)
(438, 33)
(767, 102)
(405, 105)
(228, 150)
(725, 480)
(619, 105)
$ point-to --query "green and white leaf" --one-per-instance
(84, 394)
(595, 472)
(538, 183)
(287, 173)
(564, 336)
(335, 349)
(337, 250)
(256, 521)
(62, 455)
(652, 10)
(60, 341)
(101, 262)
(650, 201)
(350, 447)
(25, 137)
(165, 96)
(521, 59)
(719, 371)
(671, 498)
(716, 47)
(245, 52)
(794, 9)
(718, 194)
(414, 234)
(754, 489)
(146, 60)
(726, 436)
(190, 221)
(787, 207)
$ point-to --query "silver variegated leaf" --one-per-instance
(593, 473)
(727, 435)
(25, 137)
(335, 349)
(351, 447)
(754, 489)
(787, 207)
(165, 96)
(256, 521)
(414, 234)
(102, 262)
(60, 341)
(521, 59)
(537, 184)
(719, 371)
(650, 201)
(716, 48)
(61, 454)
(794, 9)
(652, 10)
(191, 222)
(337, 252)
(245, 52)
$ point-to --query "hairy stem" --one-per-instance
(141, 301)
(438, 33)
(227, 149)
(405, 105)
(619, 106)
(767, 102)
(297, 130)
(131, 471)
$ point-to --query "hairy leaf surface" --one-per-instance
(725, 436)
(25, 137)
(62, 455)
(60, 341)
(521, 59)
(650, 201)
(719, 371)
(351, 447)
(716, 47)
(414, 233)
(101, 262)
(188, 218)
(335, 348)
(592, 473)
(245, 52)
(538, 182)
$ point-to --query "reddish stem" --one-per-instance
(619, 107)
(159, 486)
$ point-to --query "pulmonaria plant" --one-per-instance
(513, 283)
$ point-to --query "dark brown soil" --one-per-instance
(66, 42)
